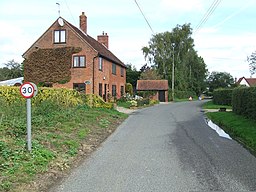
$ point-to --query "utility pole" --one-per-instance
(173, 44)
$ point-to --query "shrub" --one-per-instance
(143, 102)
(222, 96)
(129, 88)
(244, 101)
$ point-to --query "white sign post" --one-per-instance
(28, 90)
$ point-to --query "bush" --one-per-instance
(129, 88)
(61, 97)
(244, 102)
(143, 102)
(222, 97)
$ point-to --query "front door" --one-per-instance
(161, 96)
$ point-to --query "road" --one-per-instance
(167, 147)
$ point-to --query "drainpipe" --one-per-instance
(93, 73)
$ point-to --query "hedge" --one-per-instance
(180, 94)
(244, 102)
(64, 97)
(222, 96)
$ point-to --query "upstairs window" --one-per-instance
(100, 64)
(114, 68)
(79, 61)
(60, 36)
(122, 71)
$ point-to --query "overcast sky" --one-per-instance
(225, 38)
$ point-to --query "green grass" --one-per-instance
(238, 127)
(57, 134)
(210, 105)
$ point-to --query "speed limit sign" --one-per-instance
(27, 90)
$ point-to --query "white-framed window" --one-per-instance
(100, 63)
(79, 61)
(60, 36)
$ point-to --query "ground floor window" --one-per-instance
(122, 90)
(100, 89)
(80, 87)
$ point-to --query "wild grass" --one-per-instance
(57, 135)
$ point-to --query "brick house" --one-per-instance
(160, 87)
(67, 57)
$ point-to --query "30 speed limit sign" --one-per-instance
(27, 90)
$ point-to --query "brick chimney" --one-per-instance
(83, 23)
(103, 39)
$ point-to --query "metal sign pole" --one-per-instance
(29, 124)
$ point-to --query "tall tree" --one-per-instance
(11, 70)
(132, 75)
(219, 80)
(252, 63)
(175, 49)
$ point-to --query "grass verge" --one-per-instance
(210, 105)
(60, 135)
(238, 127)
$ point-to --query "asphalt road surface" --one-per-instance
(167, 147)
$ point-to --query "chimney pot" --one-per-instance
(103, 39)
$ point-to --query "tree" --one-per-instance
(175, 49)
(132, 75)
(252, 63)
(11, 70)
(149, 73)
(219, 80)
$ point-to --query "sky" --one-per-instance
(223, 39)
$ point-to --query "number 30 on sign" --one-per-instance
(27, 90)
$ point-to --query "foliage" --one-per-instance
(176, 49)
(150, 74)
(237, 126)
(143, 102)
(64, 97)
(252, 63)
(129, 88)
(211, 105)
(132, 75)
(181, 94)
(222, 96)
(244, 101)
(49, 65)
(11, 70)
(219, 80)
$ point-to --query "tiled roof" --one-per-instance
(250, 81)
(101, 49)
(151, 85)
